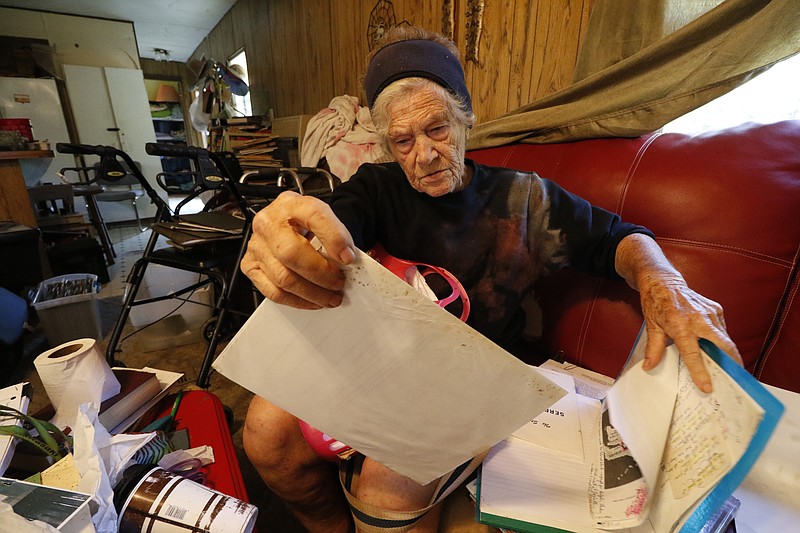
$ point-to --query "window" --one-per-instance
(241, 104)
(770, 97)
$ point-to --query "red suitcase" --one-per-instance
(202, 414)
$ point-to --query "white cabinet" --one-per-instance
(110, 107)
(37, 99)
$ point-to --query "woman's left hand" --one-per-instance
(671, 309)
(674, 311)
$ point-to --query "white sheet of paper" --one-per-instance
(558, 427)
(389, 373)
(587, 383)
(644, 424)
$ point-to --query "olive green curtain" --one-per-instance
(636, 74)
(620, 28)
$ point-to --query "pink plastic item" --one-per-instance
(405, 270)
(323, 444)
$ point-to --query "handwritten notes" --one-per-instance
(660, 456)
(696, 454)
(709, 435)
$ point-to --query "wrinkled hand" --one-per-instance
(673, 310)
(282, 263)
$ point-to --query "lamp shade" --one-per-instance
(167, 93)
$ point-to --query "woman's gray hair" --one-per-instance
(462, 119)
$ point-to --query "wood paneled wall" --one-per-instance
(162, 70)
(302, 53)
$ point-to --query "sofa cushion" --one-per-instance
(780, 363)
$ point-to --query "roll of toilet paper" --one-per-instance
(74, 373)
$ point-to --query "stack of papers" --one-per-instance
(658, 454)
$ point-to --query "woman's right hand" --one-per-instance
(282, 263)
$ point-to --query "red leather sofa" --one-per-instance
(725, 207)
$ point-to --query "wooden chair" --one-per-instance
(54, 206)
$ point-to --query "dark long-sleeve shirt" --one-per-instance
(497, 236)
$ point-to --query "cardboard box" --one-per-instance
(294, 126)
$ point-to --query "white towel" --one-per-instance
(344, 134)
(327, 127)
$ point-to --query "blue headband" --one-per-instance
(415, 58)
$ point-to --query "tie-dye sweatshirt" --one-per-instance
(497, 236)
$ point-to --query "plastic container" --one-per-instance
(67, 308)
(169, 332)
(160, 280)
(21, 125)
(174, 322)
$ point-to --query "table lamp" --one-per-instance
(167, 93)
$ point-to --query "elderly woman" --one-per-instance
(497, 230)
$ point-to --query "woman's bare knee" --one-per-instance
(272, 437)
(386, 488)
(280, 454)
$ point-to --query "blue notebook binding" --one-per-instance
(773, 410)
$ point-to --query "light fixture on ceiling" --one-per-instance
(160, 54)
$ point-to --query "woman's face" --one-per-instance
(427, 143)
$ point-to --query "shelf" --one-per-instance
(25, 154)
(169, 136)
(170, 111)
